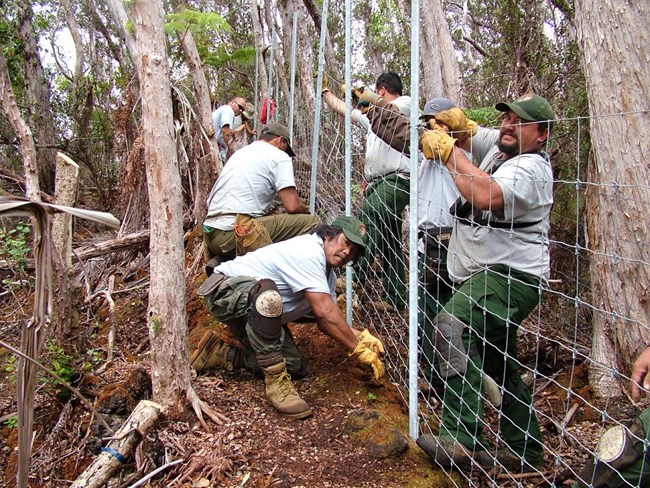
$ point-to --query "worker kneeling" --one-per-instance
(258, 294)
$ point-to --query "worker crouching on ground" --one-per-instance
(258, 294)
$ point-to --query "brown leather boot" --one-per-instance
(282, 394)
(211, 352)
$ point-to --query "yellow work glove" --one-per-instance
(458, 123)
(371, 342)
(369, 96)
(437, 144)
(369, 357)
(324, 88)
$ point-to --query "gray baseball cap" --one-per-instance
(279, 130)
(435, 106)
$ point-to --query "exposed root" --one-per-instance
(200, 407)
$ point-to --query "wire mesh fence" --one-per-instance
(549, 349)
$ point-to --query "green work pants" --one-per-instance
(381, 213)
(231, 304)
(280, 226)
(492, 304)
(433, 293)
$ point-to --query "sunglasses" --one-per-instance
(240, 107)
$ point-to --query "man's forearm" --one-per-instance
(474, 184)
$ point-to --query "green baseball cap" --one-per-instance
(354, 230)
(530, 107)
(279, 130)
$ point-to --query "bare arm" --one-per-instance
(227, 134)
(292, 201)
(331, 321)
(641, 374)
(474, 184)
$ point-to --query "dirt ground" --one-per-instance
(357, 436)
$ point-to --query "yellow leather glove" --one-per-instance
(370, 358)
(324, 88)
(454, 118)
(437, 144)
(458, 123)
(371, 342)
(370, 97)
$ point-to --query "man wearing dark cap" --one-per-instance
(241, 201)
(223, 119)
(256, 295)
(499, 262)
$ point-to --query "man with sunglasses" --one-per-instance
(223, 119)
(242, 203)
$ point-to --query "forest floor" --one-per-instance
(356, 437)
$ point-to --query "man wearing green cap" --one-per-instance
(499, 262)
(258, 294)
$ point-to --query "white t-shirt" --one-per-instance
(249, 184)
(296, 265)
(221, 117)
(527, 185)
(381, 159)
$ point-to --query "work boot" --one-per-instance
(385, 307)
(514, 463)
(211, 352)
(450, 453)
(282, 394)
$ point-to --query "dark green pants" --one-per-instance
(381, 213)
(492, 306)
(231, 304)
(433, 292)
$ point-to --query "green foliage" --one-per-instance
(92, 359)
(218, 58)
(14, 246)
(14, 249)
(372, 396)
(156, 323)
(484, 116)
(12, 367)
(12, 422)
(196, 22)
(61, 363)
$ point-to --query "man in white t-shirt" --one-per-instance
(257, 294)
(386, 174)
(248, 187)
(223, 119)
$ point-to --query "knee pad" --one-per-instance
(266, 311)
(449, 345)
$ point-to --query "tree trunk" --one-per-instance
(615, 42)
(121, 18)
(24, 133)
(208, 168)
(38, 93)
(259, 48)
(167, 316)
(440, 71)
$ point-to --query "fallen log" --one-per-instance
(112, 245)
(141, 420)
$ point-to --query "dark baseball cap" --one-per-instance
(354, 230)
(530, 107)
(279, 130)
(435, 106)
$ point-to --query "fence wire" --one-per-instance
(553, 342)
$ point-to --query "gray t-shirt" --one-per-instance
(527, 185)
(249, 184)
(296, 265)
